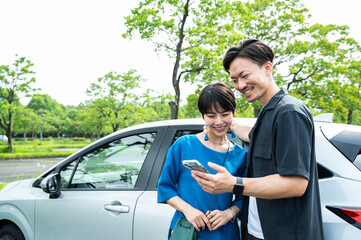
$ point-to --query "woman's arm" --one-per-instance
(241, 130)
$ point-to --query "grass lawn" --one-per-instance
(48, 148)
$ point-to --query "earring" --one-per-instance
(205, 130)
(232, 128)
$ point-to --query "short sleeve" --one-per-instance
(167, 183)
(293, 133)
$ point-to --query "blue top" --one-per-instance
(176, 180)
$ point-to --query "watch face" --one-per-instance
(238, 189)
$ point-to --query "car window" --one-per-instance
(179, 134)
(115, 165)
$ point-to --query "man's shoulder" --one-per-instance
(289, 103)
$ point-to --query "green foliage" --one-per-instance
(307, 57)
(2, 185)
(190, 32)
(319, 64)
(14, 81)
(113, 100)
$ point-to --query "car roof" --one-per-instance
(183, 122)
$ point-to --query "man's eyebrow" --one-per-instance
(239, 74)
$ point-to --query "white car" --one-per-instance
(108, 189)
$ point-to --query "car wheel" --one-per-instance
(11, 232)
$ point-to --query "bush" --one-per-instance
(79, 139)
(4, 149)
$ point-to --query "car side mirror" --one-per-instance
(51, 185)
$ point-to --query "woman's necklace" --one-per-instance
(218, 143)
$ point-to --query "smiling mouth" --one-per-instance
(220, 129)
(247, 91)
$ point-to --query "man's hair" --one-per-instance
(254, 49)
(217, 95)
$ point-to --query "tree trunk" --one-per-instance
(99, 130)
(174, 105)
(41, 134)
(10, 142)
(10, 133)
(349, 117)
(24, 134)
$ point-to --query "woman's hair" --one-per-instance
(217, 95)
(254, 49)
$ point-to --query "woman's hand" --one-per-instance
(219, 218)
(197, 218)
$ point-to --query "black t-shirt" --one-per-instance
(283, 142)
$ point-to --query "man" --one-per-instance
(281, 186)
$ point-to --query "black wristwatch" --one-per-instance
(238, 187)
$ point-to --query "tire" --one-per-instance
(11, 232)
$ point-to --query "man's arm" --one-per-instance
(241, 130)
(270, 187)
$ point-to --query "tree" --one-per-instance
(94, 117)
(196, 35)
(159, 104)
(180, 28)
(23, 118)
(340, 94)
(112, 95)
(15, 82)
(49, 112)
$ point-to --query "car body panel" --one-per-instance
(80, 212)
(332, 158)
(151, 218)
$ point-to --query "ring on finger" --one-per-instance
(211, 214)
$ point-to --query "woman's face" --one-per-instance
(218, 123)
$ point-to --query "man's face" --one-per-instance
(250, 79)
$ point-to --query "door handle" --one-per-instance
(117, 207)
(120, 209)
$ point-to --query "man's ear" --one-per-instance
(269, 67)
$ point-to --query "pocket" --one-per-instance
(262, 162)
(264, 152)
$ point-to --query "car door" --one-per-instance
(99, 191)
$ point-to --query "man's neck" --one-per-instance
(271, 91)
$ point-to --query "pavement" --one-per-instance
(18, 169)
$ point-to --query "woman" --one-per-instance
(178, 188)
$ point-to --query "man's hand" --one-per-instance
(221, 182)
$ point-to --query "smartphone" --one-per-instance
(194, 165)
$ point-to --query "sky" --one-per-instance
(72, 43)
